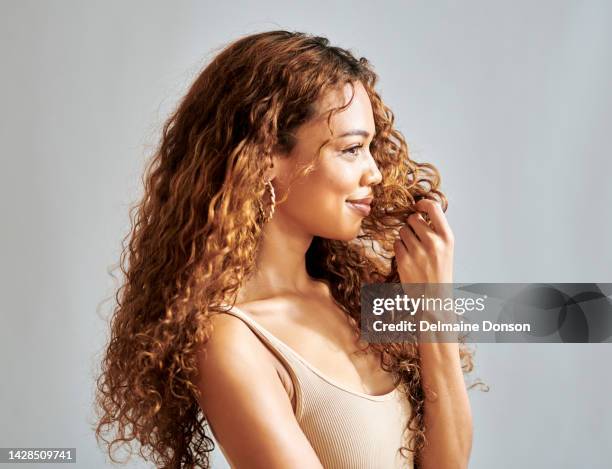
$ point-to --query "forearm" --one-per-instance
(448, 418)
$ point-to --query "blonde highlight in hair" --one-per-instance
(196, 231)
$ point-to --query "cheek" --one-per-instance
(318, 201)
(329, 185)
(328, 192)
(339, 177)
(318, 197)
(328, 207)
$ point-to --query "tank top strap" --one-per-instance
(276, 347)
(263, 334)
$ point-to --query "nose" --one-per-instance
(372, 174)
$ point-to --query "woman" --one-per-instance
(279, 187)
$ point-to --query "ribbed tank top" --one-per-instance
(347, 429)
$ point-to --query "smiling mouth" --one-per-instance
(361, 207)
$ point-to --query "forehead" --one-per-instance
(358, 115)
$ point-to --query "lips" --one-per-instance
(365, 201)
(362, 206)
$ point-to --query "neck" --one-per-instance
(281, 263)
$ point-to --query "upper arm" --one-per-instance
(245, 402)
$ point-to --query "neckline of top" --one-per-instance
(319, 373)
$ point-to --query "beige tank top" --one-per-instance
(347, 429)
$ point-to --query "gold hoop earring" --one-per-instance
(267, 217)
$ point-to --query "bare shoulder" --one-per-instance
(227, 328)
(230, 343)
(244, 401)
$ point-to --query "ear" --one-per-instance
(272, 171)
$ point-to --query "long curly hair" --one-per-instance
(195, 233)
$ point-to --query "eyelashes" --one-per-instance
(350, 151)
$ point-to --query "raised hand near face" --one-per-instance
(425, 255)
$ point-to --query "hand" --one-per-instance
(427, 256)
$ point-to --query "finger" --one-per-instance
(422, 229)
(400, 249)
(401, 253)
(434, 211)
(410, 240)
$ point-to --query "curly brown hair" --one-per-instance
(197, 229)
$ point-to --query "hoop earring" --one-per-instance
(267, 217)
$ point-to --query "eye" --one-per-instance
(351, 151)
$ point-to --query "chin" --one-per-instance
(345, 229)
(347, 235)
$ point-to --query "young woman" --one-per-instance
(279, 187)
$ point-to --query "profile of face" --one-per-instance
(319, 203)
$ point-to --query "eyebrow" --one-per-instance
(360, 132)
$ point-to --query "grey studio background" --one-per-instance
(510, 100)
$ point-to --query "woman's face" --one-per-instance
(318, 203)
